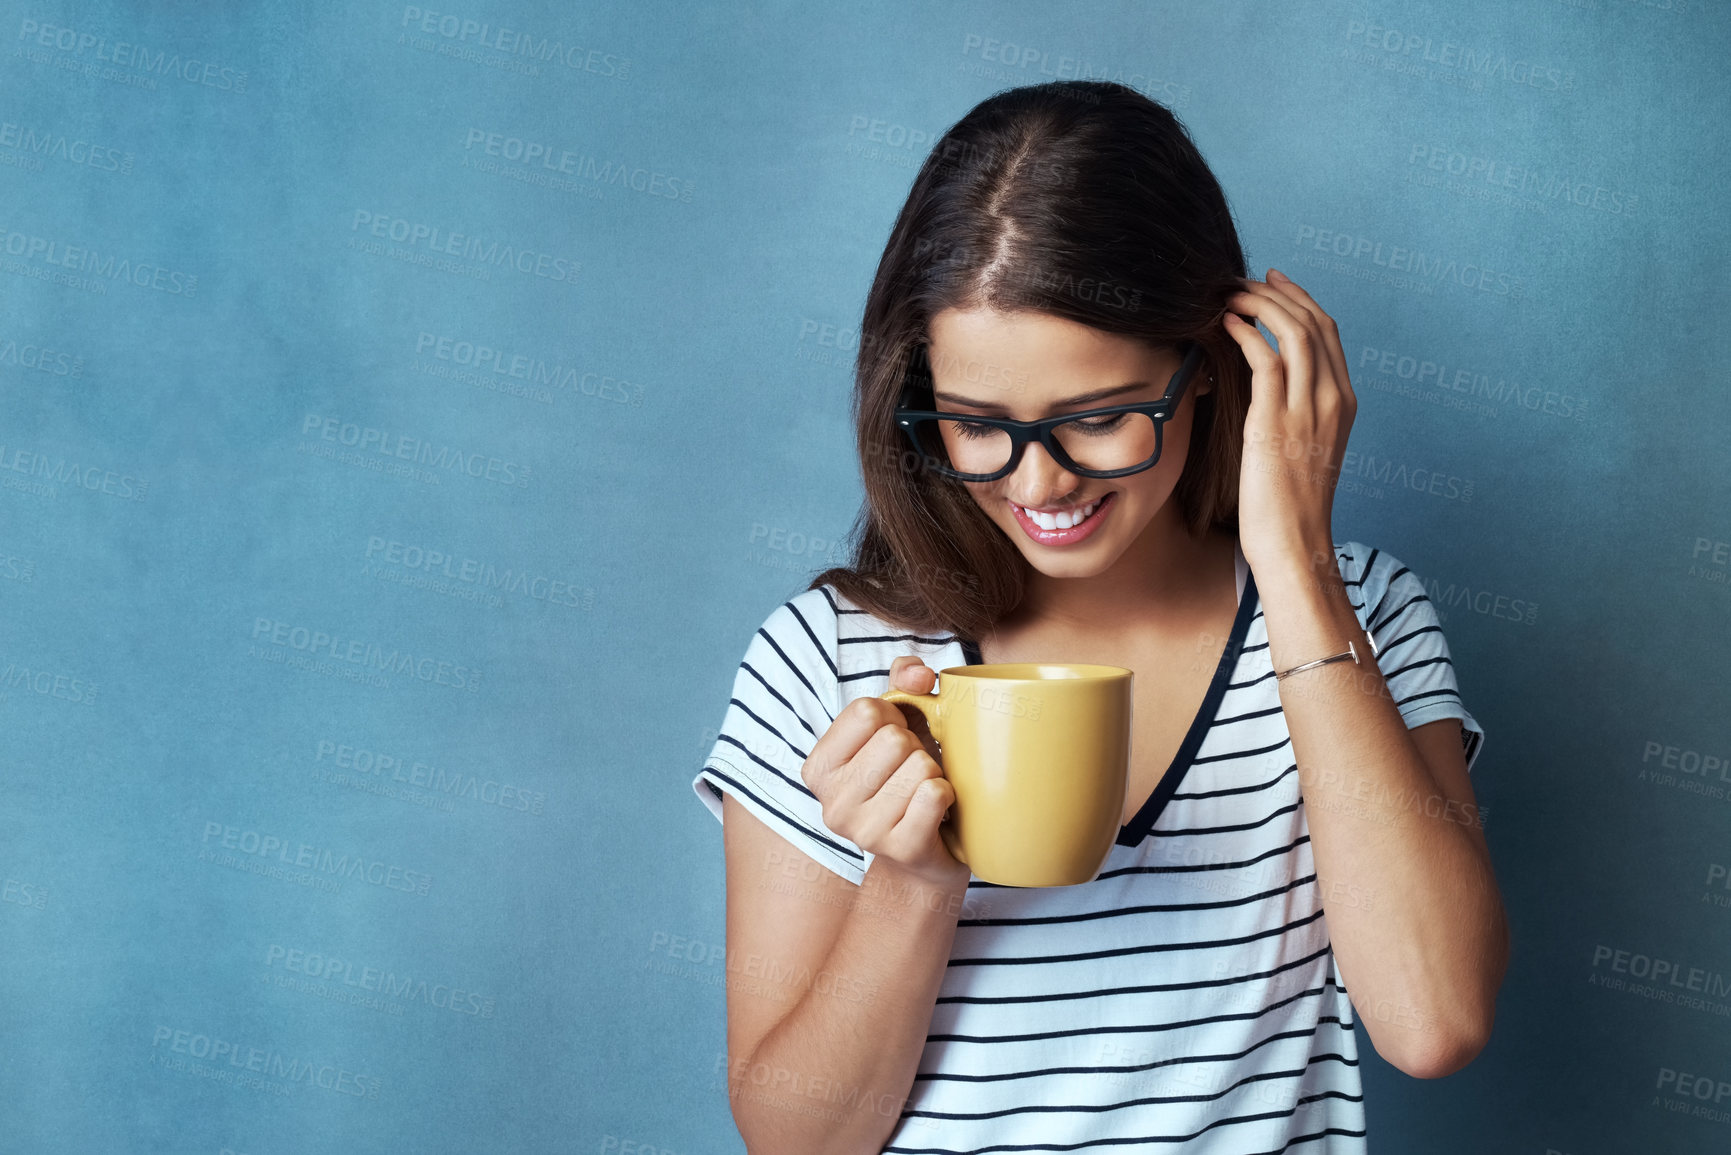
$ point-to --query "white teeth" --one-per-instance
(1059, 520)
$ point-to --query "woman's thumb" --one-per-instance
(910, 678)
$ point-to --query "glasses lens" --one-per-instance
(966, 446)
(1117, 441)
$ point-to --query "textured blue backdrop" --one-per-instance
(388, 489)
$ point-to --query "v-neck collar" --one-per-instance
(1133, 832)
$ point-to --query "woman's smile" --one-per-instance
(1066, 528)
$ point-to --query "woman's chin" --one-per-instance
(1086, 559)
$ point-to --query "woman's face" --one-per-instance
(1028, 365)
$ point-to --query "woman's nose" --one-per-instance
(1039, 479)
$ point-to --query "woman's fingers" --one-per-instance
(1280, 285)
(1296, 331)
(911, 674)
(928, 806)
(1325, 326)
(1267, 374)
(1297, 341)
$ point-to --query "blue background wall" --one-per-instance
(246, 266)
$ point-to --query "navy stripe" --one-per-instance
(1378, 627)
(996, 1147)
(1293, 1110)
(1314, 1135)
(1118, 912)
(773, 769)
(1235, 754)
(1383, 650)
(1369, 567)
(1138, 1028)
(1276, 780)
(829, 661)
(1383, 623)
(1147, 989)
(787, 818)
(1190, 867)
(1230, 829)
(1393, 674)
(797, 672)
(1259, 678)
(1246, 717)
(800, 754)
(897, 638)
(1003, 1076)
(776, 694)
(1145, 948)
(1370, 614)
(1429, 694)
(1101, 1108)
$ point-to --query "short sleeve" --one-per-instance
(785, 696)
(1410, 648)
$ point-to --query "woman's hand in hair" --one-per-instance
(1295, 433)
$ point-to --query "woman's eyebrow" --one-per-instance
(1079, 399)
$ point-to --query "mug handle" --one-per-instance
(927, 705)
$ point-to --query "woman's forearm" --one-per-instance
(832, 1077)
(1413, 911)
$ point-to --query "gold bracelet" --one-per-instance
(1351, 652)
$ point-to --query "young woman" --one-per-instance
(1300, 851)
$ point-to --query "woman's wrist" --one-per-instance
(898, 889)
(1304, 565)
(1310, 617)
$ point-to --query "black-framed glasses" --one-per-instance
(1112, 441)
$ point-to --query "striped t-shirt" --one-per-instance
(1185, 999)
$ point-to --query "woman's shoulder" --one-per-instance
(823, 631)
(1392, 602)
(1385, 591)
(856, 624)
(1364, 565)
(819, 607)
(866, 644)
(802, 630)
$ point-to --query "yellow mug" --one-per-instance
(1038, 754)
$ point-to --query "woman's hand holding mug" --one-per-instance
(880, 786)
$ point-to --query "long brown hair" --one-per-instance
(1081, 199)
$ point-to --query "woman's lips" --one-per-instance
(1069, 536)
